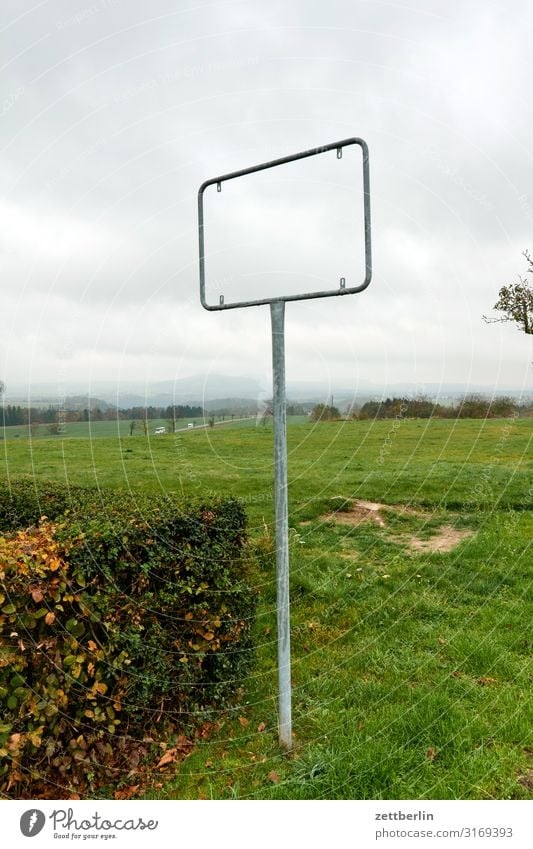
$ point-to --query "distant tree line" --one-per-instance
(182, 411)
(17, 415)
(470, 407)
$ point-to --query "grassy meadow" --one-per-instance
(411, 663)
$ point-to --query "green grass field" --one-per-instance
(411, 667)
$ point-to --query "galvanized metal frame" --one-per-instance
(277, 317)
(342, 288)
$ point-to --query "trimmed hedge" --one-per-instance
(23, 501)
(119, 615)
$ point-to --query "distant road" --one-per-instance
(203, 426)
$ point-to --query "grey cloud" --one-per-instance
(115, 112)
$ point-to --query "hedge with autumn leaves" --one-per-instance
(121, 618)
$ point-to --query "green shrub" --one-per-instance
(23, 501)
(125, 616)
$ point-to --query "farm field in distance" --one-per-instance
(411, 600)
(120, 427)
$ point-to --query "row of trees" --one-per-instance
(24, 415)
(470, 407)
(17, 415)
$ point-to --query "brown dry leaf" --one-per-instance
(208, 764)
(261, 727)
(441, 641)
(168, 758)
(126, 792)
(274, 777)
(37, 595)
(49, 618)
(484, 680)
(457, 674)
(431, 753)
(244, 722)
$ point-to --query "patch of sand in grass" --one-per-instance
(445, 539)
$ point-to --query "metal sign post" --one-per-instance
(277, 314)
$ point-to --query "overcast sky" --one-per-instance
(114, 112)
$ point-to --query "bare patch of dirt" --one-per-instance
(446, 539)
(362, 511)
(443, 540)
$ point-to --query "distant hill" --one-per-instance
(216, 391)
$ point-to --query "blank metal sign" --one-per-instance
(289, 229)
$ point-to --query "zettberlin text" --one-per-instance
(400, 815)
